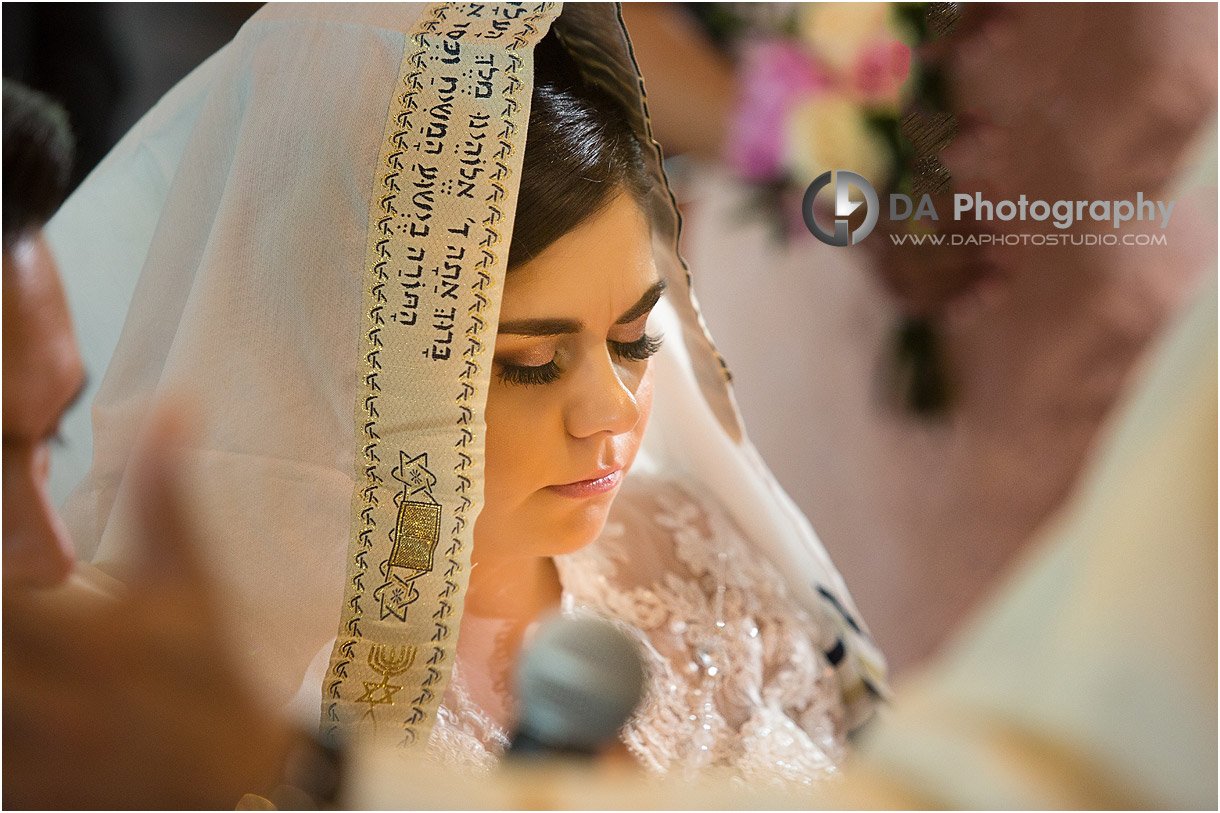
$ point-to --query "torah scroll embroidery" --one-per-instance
(414, 538)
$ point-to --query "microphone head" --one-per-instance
(578, 682)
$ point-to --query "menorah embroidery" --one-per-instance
(416, 533)
(389, 661)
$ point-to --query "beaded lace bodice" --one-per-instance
(738, 682)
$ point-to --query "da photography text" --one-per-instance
(1062, 214)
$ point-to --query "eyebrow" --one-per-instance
(556, 327)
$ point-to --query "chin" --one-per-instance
(545, 525)
(567, 531)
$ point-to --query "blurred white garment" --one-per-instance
(1089, 679)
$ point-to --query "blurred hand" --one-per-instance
(132, 701)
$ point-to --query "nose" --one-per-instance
(602, 400)
(37, 549)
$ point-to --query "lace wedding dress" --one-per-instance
(738, 682)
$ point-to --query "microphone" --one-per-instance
(578, 683)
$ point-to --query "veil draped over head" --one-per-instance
(320, 217)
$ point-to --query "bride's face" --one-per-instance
(571, 386)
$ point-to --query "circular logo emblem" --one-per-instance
(843, 181)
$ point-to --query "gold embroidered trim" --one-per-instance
(439, 207)
(367, 498)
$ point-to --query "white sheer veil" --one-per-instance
(246, 203)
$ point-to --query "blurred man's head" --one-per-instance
(1075, 101)
(1056, 101)
(43, 372)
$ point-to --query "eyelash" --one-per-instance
(641, 349)
(530, 376)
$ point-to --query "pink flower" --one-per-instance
(880, 70)
(775, 76)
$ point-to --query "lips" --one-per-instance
(583, 489)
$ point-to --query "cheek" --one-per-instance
(12, 485)
(643, 399)
(42, 463)
(516, 440)
(643, 396)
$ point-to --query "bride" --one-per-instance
(416, 268)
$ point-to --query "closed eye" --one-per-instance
(518, 374)
(641, 349)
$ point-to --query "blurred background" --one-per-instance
(108, 63)
(929, 409)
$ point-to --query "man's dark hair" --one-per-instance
(38, 148)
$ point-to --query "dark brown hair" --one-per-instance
(580, 154)
(38, 149)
